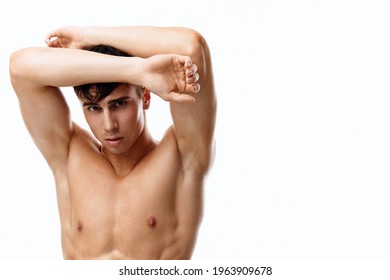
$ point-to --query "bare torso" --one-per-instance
(139, 200)
(151, 213)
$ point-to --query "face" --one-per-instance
(117, 120)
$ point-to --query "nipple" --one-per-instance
(152, 223)
(79, 226)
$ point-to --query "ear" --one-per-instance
(146, 98)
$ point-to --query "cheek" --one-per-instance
(132, 116)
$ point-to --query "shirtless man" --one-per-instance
(121, 194)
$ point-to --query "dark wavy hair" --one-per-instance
(100, 90)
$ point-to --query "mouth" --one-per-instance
(115, 141)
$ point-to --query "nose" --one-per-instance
(109, 122)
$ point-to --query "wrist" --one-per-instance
(90, 36)
(134, 71)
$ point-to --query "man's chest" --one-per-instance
(102, 198)
(119, 214)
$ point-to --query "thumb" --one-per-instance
(179, 97)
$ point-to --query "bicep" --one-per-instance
(47, 118)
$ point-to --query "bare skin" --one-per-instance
(121, 194)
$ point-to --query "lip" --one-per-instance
(114, 141)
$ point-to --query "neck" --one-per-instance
(124, 163)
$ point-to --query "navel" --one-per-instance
(152, 223)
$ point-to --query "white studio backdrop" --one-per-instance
(303, 158)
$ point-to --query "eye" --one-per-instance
(119, 103)
(94, 108)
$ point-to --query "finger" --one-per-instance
(191, 70)
(195, 88)
(49, 37)
(54, 43)
(186, 61)
(194, 78)
(180, 97)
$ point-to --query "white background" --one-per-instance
(303, 157)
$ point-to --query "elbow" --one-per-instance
(197, 39)
(14, 66)
(21, 65)
(17, 66)
(197, 45)
(199, 51)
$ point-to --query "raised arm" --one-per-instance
(38, 73)
(193, 123)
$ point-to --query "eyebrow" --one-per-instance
(85, 104)
(118, 99)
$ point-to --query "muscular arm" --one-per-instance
(37, 74)
(194, 123)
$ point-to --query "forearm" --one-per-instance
(145, 41)
(69, 67)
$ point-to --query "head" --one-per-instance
(114, 111)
